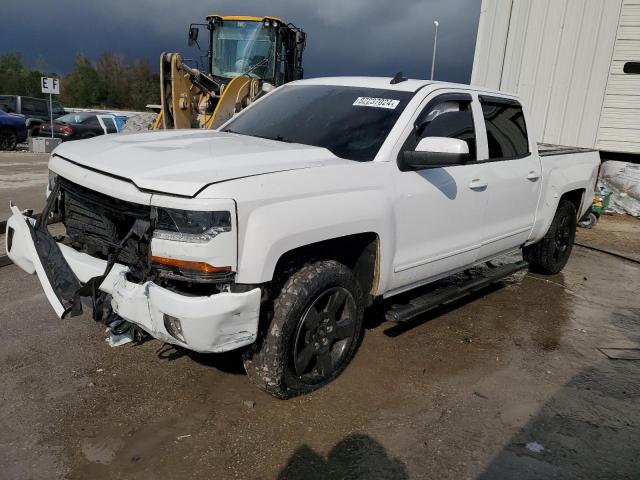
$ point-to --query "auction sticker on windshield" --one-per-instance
(376, 102)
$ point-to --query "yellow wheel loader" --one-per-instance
(245, 58)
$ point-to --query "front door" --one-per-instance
(439, 211)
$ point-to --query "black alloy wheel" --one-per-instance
(324, 335)
(8, 139)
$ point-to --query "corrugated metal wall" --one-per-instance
(620, 120)
(556, 54)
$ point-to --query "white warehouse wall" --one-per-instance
(557, 55)
(620, 120)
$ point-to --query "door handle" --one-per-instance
(477, 184)
(533, 176)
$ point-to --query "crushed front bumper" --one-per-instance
(216, 323)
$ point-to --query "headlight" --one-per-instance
(190, 226)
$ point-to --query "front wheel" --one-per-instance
(550, 255)
(314, 332)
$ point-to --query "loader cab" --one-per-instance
(261, 47)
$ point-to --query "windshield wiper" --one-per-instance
(277, 138)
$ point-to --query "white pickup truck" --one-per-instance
(276, 231)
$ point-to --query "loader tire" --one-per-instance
(314, 330)
(550, 255)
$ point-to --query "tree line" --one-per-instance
(109, 82)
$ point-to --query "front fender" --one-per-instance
(273, 229)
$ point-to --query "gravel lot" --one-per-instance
(23, 179)
(459, 395)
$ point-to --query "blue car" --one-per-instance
(13, 130)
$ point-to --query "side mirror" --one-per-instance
(434, 152)
(193, 35)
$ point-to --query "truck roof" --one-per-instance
(409, 85)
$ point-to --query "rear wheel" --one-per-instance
(315, 330)
(8, 139)
(550, 255)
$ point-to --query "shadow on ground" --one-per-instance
(595, 415)
(356, 457)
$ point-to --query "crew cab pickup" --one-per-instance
(273, 233)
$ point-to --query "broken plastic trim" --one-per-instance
(63, 281)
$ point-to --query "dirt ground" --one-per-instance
(508, 383)
(23, 179)
(616, 232)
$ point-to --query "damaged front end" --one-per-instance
(134, 261)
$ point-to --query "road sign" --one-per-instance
(50, 85)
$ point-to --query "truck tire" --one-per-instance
(8, 139)
(550, 255)
(314, 331)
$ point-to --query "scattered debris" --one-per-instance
(139, 123)
(623, 180)
(534, 447)
(249, 403)
(118, 340)
(182, 437)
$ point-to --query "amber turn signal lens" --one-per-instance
(189, 265)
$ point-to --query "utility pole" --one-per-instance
(435, 47)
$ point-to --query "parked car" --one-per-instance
(321, 198)
(13, 130)
(35, 110)
(76, 126)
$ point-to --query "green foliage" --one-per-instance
(16, 78)
(111, 82)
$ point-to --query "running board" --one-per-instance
(402, 312)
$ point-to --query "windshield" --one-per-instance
(239, 46)
(74, 118)
(351, 122)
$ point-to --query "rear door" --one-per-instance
(439, 211)
(513, 175)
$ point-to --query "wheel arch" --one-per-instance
(360, 252)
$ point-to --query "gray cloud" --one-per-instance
(345, 37)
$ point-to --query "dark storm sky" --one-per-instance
(345, 37)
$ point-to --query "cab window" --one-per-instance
(506, 129)
(448, 115)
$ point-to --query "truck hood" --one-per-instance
(183, 162)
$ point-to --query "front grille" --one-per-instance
(96, 224)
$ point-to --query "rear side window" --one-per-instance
(506, 129)
(34, 107)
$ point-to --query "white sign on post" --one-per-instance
(50, 85)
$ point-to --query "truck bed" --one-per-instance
(548, 149)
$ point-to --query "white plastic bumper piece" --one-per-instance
(216, 323)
